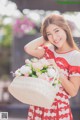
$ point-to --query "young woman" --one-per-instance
(62, 49)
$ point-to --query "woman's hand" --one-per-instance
(33, 48)
(52, 61)
(61, 76)
(71, 85)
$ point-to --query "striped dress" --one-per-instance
(69, 63)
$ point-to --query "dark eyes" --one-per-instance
(48, 34)
(57, 31)
(54, 31)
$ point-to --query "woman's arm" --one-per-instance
(33, 48)
(71, 86)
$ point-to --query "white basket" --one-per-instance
(33, 91)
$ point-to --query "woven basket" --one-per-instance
(33, 91)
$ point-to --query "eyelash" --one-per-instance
(57, 31)
(48, 34)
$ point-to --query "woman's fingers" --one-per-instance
(52, 61)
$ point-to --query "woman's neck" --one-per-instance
(63, 49)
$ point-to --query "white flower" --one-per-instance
(37, 65)
(34, 60)
(51, 72)
(25, 69)
(44, 76)
(44, 62)
(56, 81)
(17, 72)
(41, 68)
(27, 61)
(38, 74)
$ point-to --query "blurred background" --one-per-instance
(20, 22)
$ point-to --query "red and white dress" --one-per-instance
(69, 63)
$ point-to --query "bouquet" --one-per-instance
(39, 68)
(36, 83)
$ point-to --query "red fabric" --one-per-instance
(60, 109)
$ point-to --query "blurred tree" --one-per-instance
(5, 47)
(5, 55)
(6, 38)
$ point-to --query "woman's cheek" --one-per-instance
(50, 39)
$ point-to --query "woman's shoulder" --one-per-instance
(75, 58)
(76, 54)
(74, 67)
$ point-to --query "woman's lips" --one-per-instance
(57, 41)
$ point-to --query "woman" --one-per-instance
(55, 30)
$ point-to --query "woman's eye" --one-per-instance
(57, 31)
(48, 34)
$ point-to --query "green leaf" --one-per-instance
(43, 71)
(34, 76)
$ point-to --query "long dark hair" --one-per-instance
(61, 22)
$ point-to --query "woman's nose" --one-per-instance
(55, 37)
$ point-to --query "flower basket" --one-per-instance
(33, 91)
(36, 83)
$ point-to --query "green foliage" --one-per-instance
(7, 36)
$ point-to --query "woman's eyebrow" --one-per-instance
(47, 32)
(55, 29)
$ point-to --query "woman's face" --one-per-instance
(56, 35)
